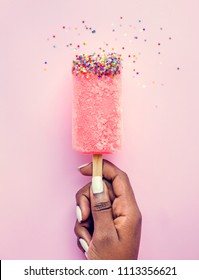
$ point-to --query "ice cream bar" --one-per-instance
(97, 104)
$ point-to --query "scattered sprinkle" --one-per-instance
(128, 44)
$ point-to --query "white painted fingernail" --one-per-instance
(79, 214)
(83, 165)
(97, 184)
(84, 244)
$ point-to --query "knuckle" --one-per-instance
(138, 218)
(78, 195)
(124, 175)
(76, 229)
(101, 206)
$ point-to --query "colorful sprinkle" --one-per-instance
(100, 65)
(93, 31)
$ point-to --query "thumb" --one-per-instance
(101, 208)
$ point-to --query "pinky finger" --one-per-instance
(84, 237)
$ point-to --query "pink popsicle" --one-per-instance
(97, 103)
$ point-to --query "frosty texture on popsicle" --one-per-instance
(97, 103)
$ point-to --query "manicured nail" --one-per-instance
(84, 244)
(97, 184)
(79, 214)
(83, 165)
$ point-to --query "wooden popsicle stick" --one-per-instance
(97, 165)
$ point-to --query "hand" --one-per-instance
(109, 223)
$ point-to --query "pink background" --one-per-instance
(39, 177)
